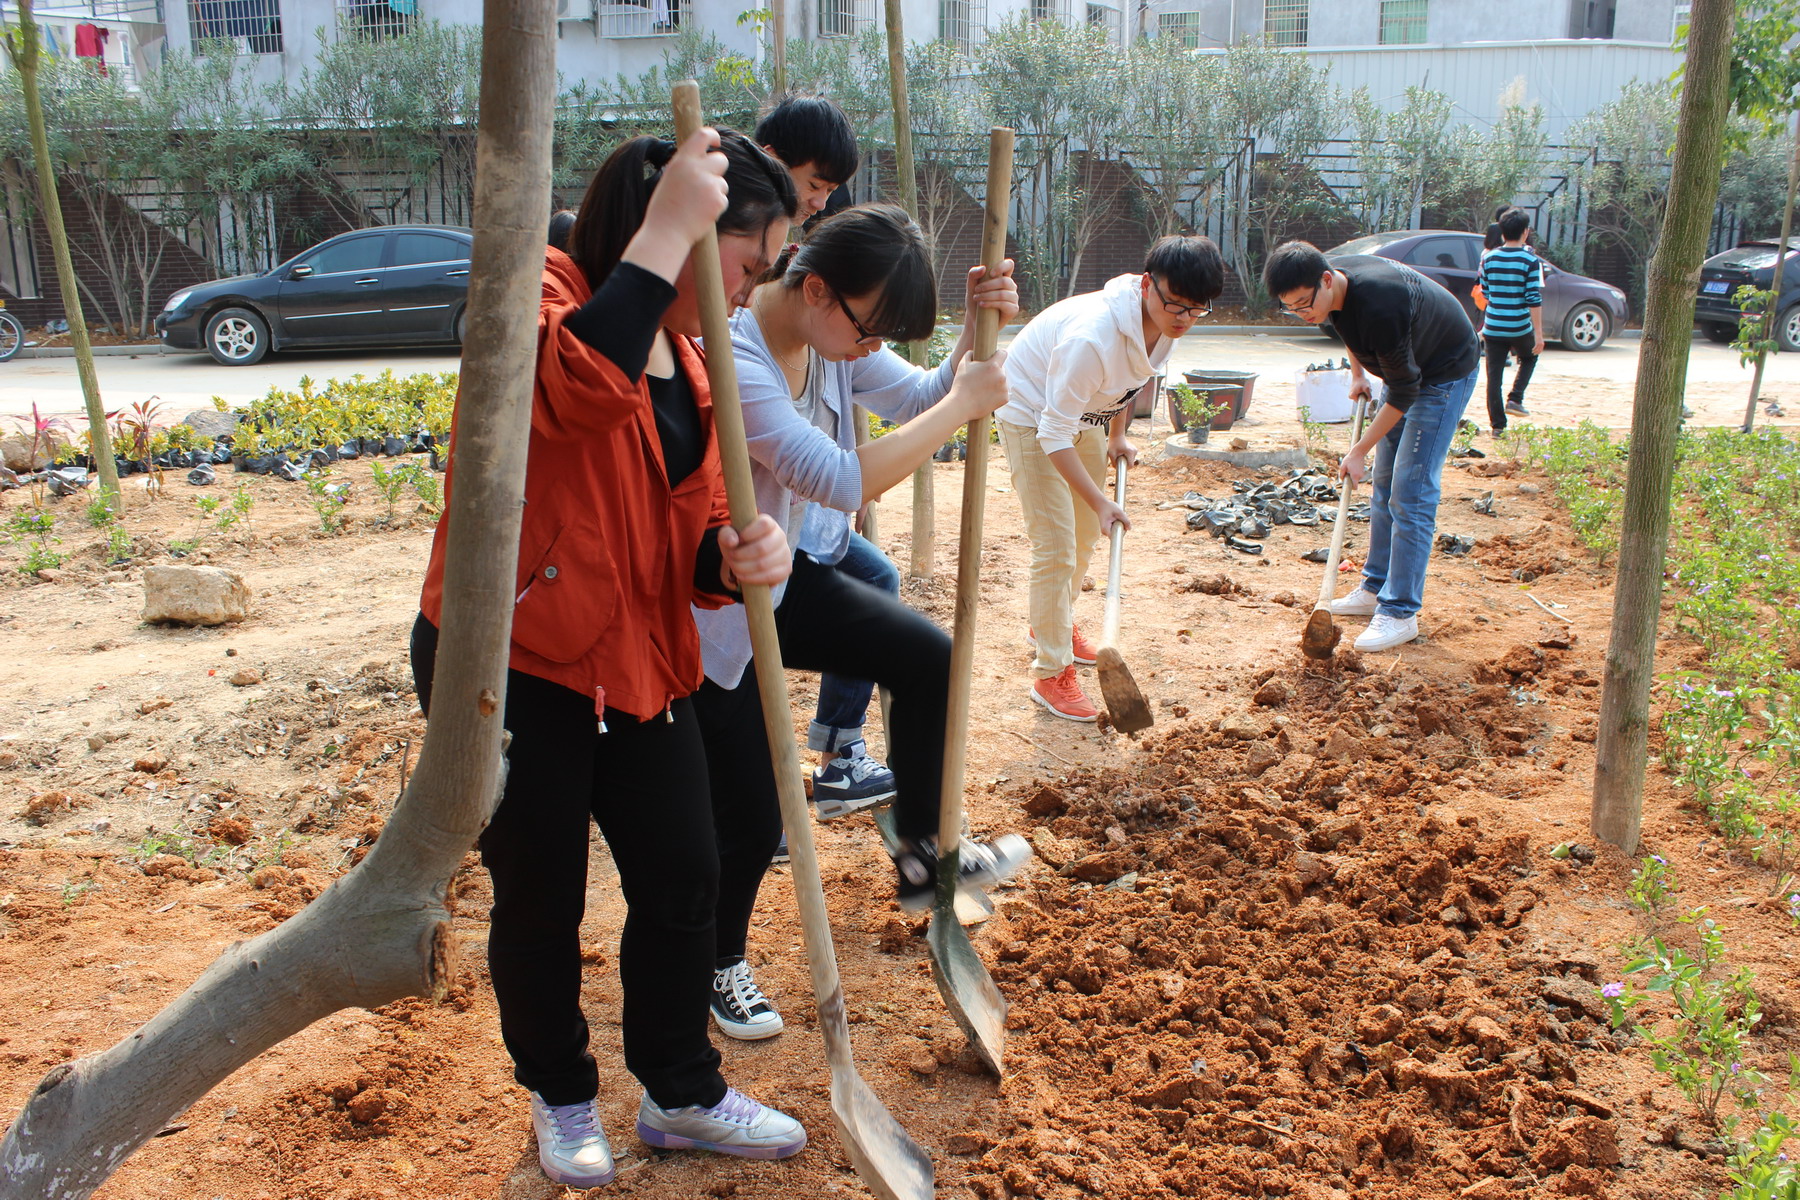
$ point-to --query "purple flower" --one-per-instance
(1660, 860)
(1613, 991)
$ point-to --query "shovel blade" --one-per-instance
(1125, 703)
(967, 988)
(1321, 636)
(890, 1164)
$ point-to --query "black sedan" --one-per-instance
(397, 285)
(1579, 312)
(1716, 313)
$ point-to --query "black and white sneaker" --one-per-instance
(849, 783)
(979, 864)
(739, 1006)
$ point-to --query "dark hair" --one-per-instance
(811, 129)
(761, 193)
(561, 222)
(1293, 265)
(1514, 224)
(1492, 236)
(1190, 266)
(870, 250)
(1501, 212)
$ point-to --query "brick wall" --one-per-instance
(180, 267)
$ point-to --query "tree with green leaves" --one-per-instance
(1626, 182)
(1174, 134)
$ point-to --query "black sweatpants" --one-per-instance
(827, 621)
(645, 784)
(1497, 350)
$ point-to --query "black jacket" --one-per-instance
(1403, 327)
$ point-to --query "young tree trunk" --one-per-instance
(1773, 315)
(924, 514)
(1620, 753)
(26, 56)
(778, 46)
(381, 932)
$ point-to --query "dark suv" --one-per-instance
(1579, 312)
(1716, 313)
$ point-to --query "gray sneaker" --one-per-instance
(735, 1125)
(572, 1148)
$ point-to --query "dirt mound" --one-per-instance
(1310, 969)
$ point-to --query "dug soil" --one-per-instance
(1306, 937)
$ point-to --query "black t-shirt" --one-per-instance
(1403, 327)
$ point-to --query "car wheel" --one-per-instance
(462, 327)
(1715, 332)
(1787, 329)
(1585, 328)
(237, 337)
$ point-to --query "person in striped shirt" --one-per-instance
(1512, 279)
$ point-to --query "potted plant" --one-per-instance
(1196, 409)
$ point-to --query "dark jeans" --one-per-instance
(827, 620)
(1497, 349)
(844, 702)
(644, 783)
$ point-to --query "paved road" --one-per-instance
(1568, 386)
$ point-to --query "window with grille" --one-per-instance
(377, 20)
(1683, 14)
(254, 25)
(1284, 22)
(1050, 10)
(1104, 16)
(643, 18)
(845, 18)
(1184, 27)
(1402, 22)
(962, 21)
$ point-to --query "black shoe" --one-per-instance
(739, 1006)
(978, 865)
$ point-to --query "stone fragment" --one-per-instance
(1272, 693)
(152, 763)
(1577, 994)
(194, 596)
(1244, 726)
(1104, 867)
(210, 422)
(1380, 1024)
(1584, 1141)
(246, 677)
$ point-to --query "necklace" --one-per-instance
(762, 320)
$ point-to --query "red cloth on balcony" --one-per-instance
(90, 42)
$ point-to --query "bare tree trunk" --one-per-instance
(1772, 317)
(26, 55)
(924, 513)
(778, 45)
(379, 933)
(1621, 750)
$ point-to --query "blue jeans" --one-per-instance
(844, 703)
(1409, 469)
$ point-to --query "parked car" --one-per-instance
(1716, 313)
(396, 285)
(1579, 312)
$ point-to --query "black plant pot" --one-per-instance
(393, 446)
(221, 454)
(351, 449)
(439, 462)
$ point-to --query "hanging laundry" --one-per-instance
(90, 42)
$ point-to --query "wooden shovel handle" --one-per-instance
(1109, 626)
(740, 490)
(1328, 587)
(968, 553)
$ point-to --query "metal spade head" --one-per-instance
(890, 1164)
(1321, 636)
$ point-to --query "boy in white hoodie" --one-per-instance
(1073, 373)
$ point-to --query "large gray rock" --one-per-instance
(194, 596)
(210, 422)
(15, 450)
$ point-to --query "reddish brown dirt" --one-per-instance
(1346, 965)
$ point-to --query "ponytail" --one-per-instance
(870, 250)
(760, 190)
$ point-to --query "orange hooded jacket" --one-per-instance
(606, 551)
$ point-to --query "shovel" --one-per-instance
(1322, 635)
(962, 979)
(890, 1163)
(1125, 703)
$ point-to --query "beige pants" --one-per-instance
(1062, 529)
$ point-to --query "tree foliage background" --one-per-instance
(1250, 145)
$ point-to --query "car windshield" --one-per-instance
(1366, 245)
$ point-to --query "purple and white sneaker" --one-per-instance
(735, 1125)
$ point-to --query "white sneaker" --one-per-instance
(572, 1148)
(1360, 603)
(1385, 632)
(735, 1125)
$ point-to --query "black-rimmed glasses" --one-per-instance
(862, 335)
(1301, 310)
(1195, 311)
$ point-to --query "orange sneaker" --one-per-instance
(1062, 695)
(1084, 649)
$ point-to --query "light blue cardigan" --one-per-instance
(789, 457)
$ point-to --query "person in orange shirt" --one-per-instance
(623, 529)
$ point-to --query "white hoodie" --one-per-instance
(1079, 362)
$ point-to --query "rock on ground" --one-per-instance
(194, 596)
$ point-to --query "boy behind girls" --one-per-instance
(1512, 279)
(812, 138)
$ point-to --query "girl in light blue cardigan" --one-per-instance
(809, 349)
